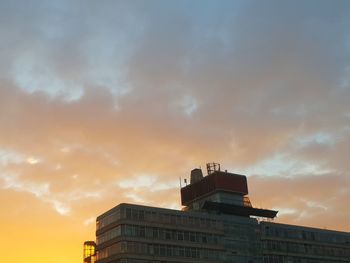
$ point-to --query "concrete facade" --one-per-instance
(139, 234)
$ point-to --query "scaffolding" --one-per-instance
(213, 167)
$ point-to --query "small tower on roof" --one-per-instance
(220, 192)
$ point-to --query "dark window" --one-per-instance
(155, 232)
(128, 213)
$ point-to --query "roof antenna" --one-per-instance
(213, 167)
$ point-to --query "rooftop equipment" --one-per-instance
(220, 192)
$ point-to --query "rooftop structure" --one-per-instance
(220, 192)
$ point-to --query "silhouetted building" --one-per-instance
(218, 224)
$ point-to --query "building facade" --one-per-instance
(288, 243)
(218, 224)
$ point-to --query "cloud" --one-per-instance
(306, 200)
(94, 96)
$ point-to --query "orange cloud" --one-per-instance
(114, 102)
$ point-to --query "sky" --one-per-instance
(103, 102)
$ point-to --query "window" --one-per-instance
(155, 232)
(192, 237)
(186, 236)
(128, 213)
(162, 250)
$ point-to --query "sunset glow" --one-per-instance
(104, 102)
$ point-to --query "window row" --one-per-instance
(289, 259)
(134, 260)
(108, 219)
(306, 235)
(160, 250)
(158, 233)
(159, 217)
(316, 250)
